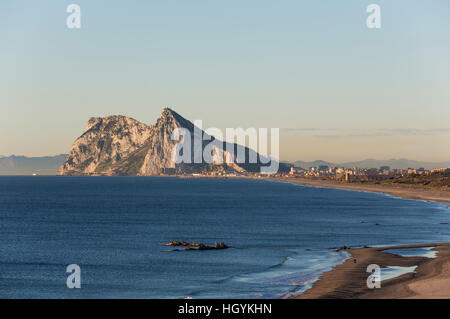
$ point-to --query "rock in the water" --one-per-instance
(197, 246)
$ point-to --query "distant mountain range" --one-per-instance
(373, 163)
(118, 145)
(22, 165)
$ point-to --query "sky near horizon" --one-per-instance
(337, 90)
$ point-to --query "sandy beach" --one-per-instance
(431, 278)
(404, 192)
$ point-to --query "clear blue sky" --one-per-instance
(337, 90)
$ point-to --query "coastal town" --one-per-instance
(383, 172)
(328, 172)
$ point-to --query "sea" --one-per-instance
(282, 236)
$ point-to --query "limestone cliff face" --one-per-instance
(105, 142)
(160, 143)
(118, 145)
(159, 158)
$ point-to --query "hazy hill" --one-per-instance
(22, 165)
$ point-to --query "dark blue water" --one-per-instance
(112, 227)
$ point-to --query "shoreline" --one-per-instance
(403, 192)
(430, 280)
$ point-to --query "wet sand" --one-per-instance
(404, 192)
(431, 278)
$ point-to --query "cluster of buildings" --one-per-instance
(348, 173)
(339, 173)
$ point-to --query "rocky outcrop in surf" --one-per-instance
(197, 246)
